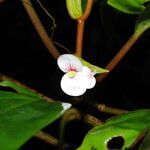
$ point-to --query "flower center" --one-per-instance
(71, 74)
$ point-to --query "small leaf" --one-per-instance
(23, 114)
(143, 22)
(93, 68)
(128, 6)
(125, 128)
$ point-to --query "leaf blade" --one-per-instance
(129, 126)
(128, 6)
(24, 114)
(143, 21)
(93, 68)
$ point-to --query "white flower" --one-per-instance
(78, 78)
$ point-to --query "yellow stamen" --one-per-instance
(71, 74)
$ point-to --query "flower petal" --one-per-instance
(88, 78)
(86, 71)
(89, 82)
(73, 86)
(68, 62)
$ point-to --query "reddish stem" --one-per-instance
(79, 37)
(118, 57)
(80, 27)
(87, 10)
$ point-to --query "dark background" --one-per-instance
(24, 57)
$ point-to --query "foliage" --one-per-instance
(128, 127)
(128, 6)
(24, 112)
(143, 21)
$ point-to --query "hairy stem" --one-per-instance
(80, 27)
(118, 57)
(47, 138)
(91, 120)
(110, 110)
(40, 28)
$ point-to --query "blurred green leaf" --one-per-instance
(143, 22)
(83, 2)
(128, 6)
(128, 126)
(146, 142)
(23, 114)
(102, 4)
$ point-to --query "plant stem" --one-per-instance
(79, 37)
(68, 116)
(110, 110)
(47, 138)
(40, 28)
(91, 120)
(80, 27)
(118, 57)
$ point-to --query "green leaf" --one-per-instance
(128, 126)
(143, 22)
(102, 4)
(146, 142)
(19, 89)
(83, 3)
(22, 115)
(128, 6)
(93, 68)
